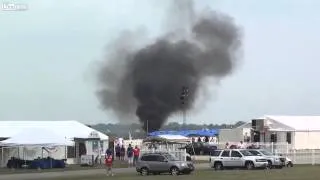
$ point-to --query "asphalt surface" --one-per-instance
(46, 175)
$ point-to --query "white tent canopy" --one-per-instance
(37, 137)
(167, 138)
(70, 129)
(174, 137)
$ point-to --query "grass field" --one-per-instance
(296, 173)
(117, 164)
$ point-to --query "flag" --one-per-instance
(130, 137)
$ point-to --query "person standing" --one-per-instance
(109, 152)
(118, 151)
(136, 154)
(122, 152)
(130, 155)
(227, 146)
(108, 163)
(241, 145)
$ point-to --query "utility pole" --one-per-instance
(184, 98)
(147, 128)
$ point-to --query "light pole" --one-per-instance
(184, 98)
(147, 128)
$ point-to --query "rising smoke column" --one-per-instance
(147, 81)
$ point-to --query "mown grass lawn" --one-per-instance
(296, 173)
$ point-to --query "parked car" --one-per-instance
(274, 161)
(288, 161)
(236, 158)
(200, 148)
(159, 162)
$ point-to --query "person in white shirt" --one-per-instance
(226, 146)
(241, 145)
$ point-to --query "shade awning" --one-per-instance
(37, 137)
(168, 138)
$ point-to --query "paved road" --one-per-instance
(45, 175)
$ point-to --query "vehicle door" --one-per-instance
(215, 155)
(162, 164)
(236, 159)
(225, 158)
(152, 162)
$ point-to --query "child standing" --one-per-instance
(109, 162)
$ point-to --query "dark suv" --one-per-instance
(157, 163)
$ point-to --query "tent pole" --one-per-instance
(2, 160)
(65, 152)
(24, 155)
(65, 149)
(194, 153)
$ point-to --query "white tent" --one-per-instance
(168, 138)
(70, 129)
(37, 137)
(174, 137)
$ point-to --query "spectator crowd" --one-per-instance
(129, 155)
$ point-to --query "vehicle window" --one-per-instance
(246, 153)
(215, 153)
(256, 153)
(170, 157)
(267, 153)
(153, 158)
(225, 154)
(144, 158)
(149, 158)
(235, 154)
(160, 158)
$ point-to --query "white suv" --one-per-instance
(236, 158)
(273, 160)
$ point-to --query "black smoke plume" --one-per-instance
(147, 80)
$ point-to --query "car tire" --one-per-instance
(289, 164)
(144, 171)
(174, 171)
(279, 167)
(249, 165)
(269, 166)
(218, 166)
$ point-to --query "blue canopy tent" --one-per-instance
(188, 133)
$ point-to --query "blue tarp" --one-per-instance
(204, 132)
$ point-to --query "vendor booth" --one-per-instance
(68, 140)
(166, 143)
(33, 148)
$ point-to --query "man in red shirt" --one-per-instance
(136, 154)
(109, 162)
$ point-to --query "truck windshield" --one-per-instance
(246, 153)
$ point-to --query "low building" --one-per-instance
(235, 135)
(298, 132)
(86, 141)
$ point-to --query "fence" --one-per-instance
(298, 156)
(174, 150)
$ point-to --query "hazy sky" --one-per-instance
(48, 51)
